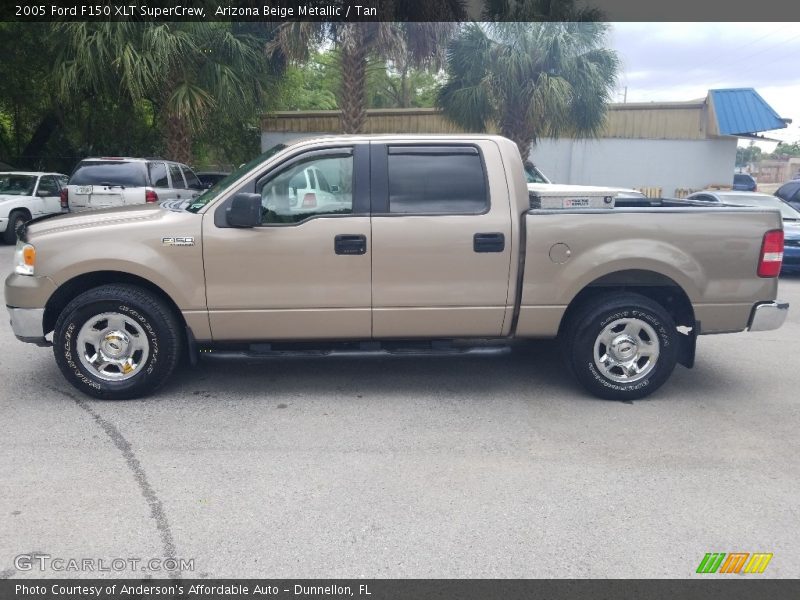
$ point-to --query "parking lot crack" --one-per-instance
(135, 466)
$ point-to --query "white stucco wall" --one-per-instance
(668, 164)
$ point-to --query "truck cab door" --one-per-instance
(441, 240)
(305, 272)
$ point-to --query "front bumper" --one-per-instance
(27, 324)
(768, 316)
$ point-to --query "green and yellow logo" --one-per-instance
(734, 562)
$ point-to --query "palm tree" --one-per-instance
(418, 44)
(184, 70)
(530, 80)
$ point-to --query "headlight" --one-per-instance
(24, 259)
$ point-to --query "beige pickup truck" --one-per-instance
(389, 244)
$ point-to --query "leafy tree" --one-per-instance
(745, 156)
(419, 43)
(786, 149)
(530, 80)
(311, 85)
(29, 114)
(400, 85)
(184, 71)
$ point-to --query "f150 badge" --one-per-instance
(177, 241)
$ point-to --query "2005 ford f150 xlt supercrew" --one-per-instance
(399, 244)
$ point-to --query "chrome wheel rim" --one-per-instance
(626, 350)
(112, 346)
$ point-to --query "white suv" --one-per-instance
(111, 182)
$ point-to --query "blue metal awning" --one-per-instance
(743, 112)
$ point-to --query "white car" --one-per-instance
(26, 195)
(111, 182)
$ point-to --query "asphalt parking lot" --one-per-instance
(413, 467)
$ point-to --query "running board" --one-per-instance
(362, 350)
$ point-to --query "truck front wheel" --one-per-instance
(622, 346)
(117, 342)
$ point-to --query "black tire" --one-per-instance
(615, 316)
(15, 219)
(141, 327)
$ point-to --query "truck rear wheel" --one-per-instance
(622, 346)
(117, 342)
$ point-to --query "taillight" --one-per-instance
(309, 201)
(64, 198)
(769, 264)
(150, 196)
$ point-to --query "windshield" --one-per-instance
(17, 185)
(224, 184)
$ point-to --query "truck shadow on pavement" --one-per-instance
(533, 370)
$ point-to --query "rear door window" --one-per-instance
(177, 178)
(48, 185)
(191, 179)
(158, 175)
(437, 180)
(128, 174)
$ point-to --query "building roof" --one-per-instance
(743, 112)
(723, 113)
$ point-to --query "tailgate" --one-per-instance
(99, 196)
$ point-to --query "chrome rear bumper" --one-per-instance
(768, 316)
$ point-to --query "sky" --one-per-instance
(682, 61)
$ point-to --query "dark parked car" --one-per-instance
(790, 192)
(744, 182)
(791, 249)
(210, 178)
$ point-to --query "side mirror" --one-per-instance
(44, 194)
(244, 211)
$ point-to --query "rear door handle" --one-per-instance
(350, 244)
(489, 242)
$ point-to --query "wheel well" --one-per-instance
(23, 210)
(655, 286)
(72, 288)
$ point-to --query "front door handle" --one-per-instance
(350, 244)
(489, 242)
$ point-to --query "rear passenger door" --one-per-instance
(441, 246)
